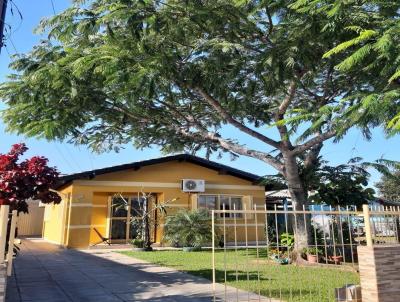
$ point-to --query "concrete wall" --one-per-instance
(55, 219)
(379, 273)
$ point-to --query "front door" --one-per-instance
(126, 213)
(119, 218)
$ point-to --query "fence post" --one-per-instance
(10, 252)
(3, 230)
(367, 223)
(213, 251)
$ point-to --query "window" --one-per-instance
(230, 203)
(126, 217)
(227, 202)
(207, 202)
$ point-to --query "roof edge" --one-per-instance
(65, 180)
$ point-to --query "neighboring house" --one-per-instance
(279, 199)
(89, 204)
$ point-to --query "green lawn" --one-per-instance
(288, 282)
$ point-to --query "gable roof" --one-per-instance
(64, 180)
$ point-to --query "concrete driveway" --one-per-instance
(44, 272)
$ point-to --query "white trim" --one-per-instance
(86, 226)
(88, 205)
(106, 183)
(232, 224)
(240, 224)
(235, 187)
(176, 205)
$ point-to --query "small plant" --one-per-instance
(312, 254)
(287, 240)
(138, 243)
(188, 228)
(312, 251)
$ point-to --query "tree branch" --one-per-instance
(280, 115)
(271, 24)
(228, 145)
(314, 141)
(228, 118)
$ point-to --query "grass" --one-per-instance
(286, 282)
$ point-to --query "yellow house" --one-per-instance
(89, 199)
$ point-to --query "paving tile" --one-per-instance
(34, 293)
(46, 273)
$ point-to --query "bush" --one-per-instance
(138, 243)
(188, 228)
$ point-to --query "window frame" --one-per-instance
(218, 204)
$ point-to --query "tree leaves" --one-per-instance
(114, 71)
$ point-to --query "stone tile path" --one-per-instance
(46, 273)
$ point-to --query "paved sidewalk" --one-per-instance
(44, 272)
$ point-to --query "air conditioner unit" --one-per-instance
(193, 185)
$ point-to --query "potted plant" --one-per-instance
(188, 229)
(337, 258)
(312, 254)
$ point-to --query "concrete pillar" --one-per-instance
(380, 273)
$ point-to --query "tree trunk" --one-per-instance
(298, 194)
(146, 224)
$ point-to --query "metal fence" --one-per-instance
(285, 255)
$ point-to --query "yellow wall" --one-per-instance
(89, 198)
(55, 218)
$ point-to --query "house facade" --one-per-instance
(91, 201)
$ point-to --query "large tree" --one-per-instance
(174, 73)
(389, 186)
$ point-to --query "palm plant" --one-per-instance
(188, 228)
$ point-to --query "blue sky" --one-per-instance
(69, 158)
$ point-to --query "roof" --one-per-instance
(180, 157)
(278, 194)
(386, 203)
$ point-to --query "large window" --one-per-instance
(126, 217)
(220, 202)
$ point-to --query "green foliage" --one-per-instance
(138, 243)
(372, 49)
(287, 240)
(111, 68)
(174, 73)
(389, 186)
(340, 185)
(188, 228)
(312, 251)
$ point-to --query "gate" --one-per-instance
(31, 224)
(258, 254)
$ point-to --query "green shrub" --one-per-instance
(138, 243)
(188, 228)
(287, 240)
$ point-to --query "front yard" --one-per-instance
(288, 282)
